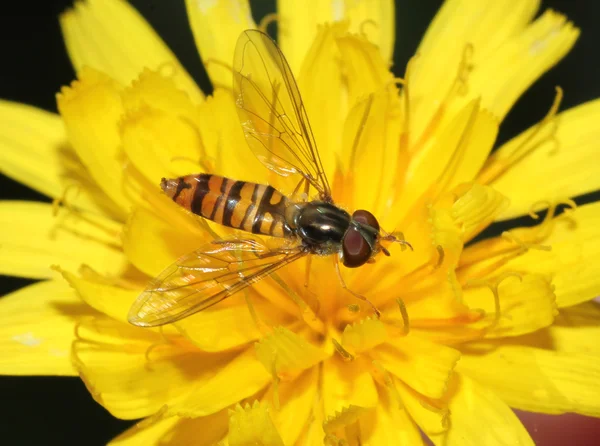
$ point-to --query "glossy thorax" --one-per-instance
(327, 229)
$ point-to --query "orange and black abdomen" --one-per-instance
(242, 205)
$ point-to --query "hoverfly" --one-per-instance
(277, 129)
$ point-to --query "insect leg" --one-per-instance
(344, 286)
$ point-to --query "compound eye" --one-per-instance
(356, 251)
(366, 218)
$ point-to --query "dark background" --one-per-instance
(34, 64)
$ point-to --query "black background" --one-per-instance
(33, 66)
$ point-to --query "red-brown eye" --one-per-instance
(356, 251)
(366, 218)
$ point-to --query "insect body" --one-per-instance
(237, 204)
(278, 131)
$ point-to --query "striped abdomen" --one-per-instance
(238, 204)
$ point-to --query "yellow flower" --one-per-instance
(468, 328)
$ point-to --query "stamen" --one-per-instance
(276, 379)
(359, 132)
(389, 383)
(404, 313)
(444, 412)
(62, 200)
(493, 286)
(544, 229)
(524, 245)
(259, 324)
(267, 20)
(366, 22)
(76, 328)
(459, 87)
(345, 354)
(307, 314)
(220, 63)
(225, 65)
(441, 256)
(404, 135)
(495, 168)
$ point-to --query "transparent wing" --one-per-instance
(271, 111)
(205, 277)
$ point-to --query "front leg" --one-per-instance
(344, 286)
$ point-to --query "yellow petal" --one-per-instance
(252, 424)
(240, 378)
(571, 263)
(346, 384)
(565, 150)
(389, 424)
(216, 26)
(34, 151)
(500, 78)
(456, 217)
(223, 328)
(175, 430)
(475, 208)
(537, 380)
(152, 243)
(36, 329)
(296, 398)
(423, 365)
(453, 157)
(285, 352)
(364, 335)
(33, 240)
(478, 416)
(114, 301)
(159, 91)
(148, 431)
(323, 93)
(159, 130)
(134, 372)
(344, 421)
(366, 71)
(576, 329)
(485, 25)
(225, 144)
(432, 418)
(155, 141)
(476, 143)
(478, 43)
(111, 36)
(369, 152)
(526, 303)
(91, 109)
(298, 26)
